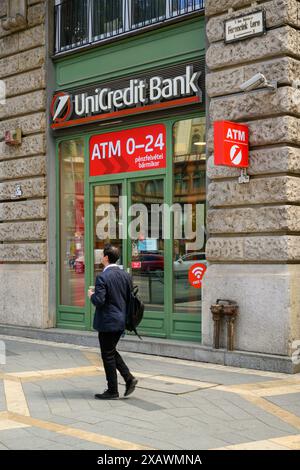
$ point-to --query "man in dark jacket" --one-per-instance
(111, 297)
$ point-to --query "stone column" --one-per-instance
(254, 244)
(23, 189)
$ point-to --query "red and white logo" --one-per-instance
(231, 144)
(61, 107)
(236, 154)
(196, 274)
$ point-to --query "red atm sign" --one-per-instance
(231, 144)
(141, 148)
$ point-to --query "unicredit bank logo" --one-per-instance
(61, 107)
(139, 95)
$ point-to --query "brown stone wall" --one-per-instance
(254, 243)
(273, 118)
(22, 68)
(23, 219)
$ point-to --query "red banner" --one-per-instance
(141, 148)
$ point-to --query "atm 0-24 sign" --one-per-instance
(141, 148)
(231, 144)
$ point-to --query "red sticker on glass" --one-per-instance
(196, 274)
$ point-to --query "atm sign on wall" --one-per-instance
(231, 144)
(141, 148)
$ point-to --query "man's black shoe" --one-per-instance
(130, 386)
(107, 396)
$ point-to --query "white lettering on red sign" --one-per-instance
(142, 148)
(235, 134)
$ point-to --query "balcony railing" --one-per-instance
(82, 22)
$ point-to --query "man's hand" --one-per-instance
(90, 293)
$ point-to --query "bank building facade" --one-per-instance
(107, 119)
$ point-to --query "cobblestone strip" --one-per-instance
(78, 433)
(279, 443)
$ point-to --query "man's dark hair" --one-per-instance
(112, 252)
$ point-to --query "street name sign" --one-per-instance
(246, 26)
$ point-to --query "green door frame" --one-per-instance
(89, 184)
(151, 316)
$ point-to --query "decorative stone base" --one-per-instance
(24, 295)
(269, 302)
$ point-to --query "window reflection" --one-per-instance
(107, 216)
(147, 11)
(147, 253)
(189, 188)
(107, 18)
(73, 23)
(71, 157)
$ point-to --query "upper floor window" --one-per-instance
(81, 22)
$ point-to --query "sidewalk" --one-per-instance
(47, 390)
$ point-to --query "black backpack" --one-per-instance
(135, 311)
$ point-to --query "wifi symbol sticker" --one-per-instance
(196, 274)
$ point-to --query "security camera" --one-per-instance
(256, 81)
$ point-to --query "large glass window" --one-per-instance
(107, 18)
(72, 266)
(185, 6)
(72, 24)
(189, 160)
(79, 22)
(147, 11)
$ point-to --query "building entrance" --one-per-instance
(127, 214)
(143, 189)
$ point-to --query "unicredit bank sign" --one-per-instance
(231, 144)
(139, 96)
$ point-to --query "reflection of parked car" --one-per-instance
(183, 264)
(149, 262)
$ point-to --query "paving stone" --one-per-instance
(289, 402)
(2, 397)
(290, 398)
(202, 419)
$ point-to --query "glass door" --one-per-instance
(132, 223)
(147, 250)
(189, 196)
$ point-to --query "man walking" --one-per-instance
(111, 297)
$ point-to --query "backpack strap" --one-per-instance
(134, 330)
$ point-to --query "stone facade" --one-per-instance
(254, 244)
(23, 227)
(253, 247)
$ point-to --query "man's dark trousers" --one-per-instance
(112, 361)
